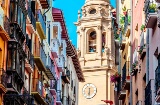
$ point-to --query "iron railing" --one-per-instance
(48, 98)
(53, 84)
(6, 24)
(16, 99)
(3, 77)
(59, 95)
(124, 74)
(32, 17)
(157, 79)
(41, 20)
(30, 56)
(148, 94)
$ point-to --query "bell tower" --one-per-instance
(95, 49)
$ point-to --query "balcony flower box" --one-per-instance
(134, 68)
(152, 8)
(115, 78)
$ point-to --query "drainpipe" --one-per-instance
(131, 55)
(147, 55)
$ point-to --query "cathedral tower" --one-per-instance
(95, 50)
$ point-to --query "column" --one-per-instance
(82, 42)
(79, 41)
(99, 40)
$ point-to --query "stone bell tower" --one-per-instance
(95, 50)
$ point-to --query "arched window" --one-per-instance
(92, 41)
(103, 41)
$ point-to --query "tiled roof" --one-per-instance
(71, 51)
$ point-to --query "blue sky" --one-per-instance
(70, 12)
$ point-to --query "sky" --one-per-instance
(70, 12)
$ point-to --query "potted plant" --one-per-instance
(143, 28)
(124, 10)
(115, 78)
(152, 8)
(140, 49)
(129, 19)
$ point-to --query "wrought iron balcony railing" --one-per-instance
(32, 17)
(59, 96)
(148, 93)
(124, 74)
(41, 20)
(7, 24)
(3, 77)
(48, 98)
(16, 99)
(30, 56)
(53, 84)
(157, 79)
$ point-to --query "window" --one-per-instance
(103, 42)
(92, 41)
(92, 11)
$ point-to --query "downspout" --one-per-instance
(147, 54)
(131, 55)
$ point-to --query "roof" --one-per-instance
(71, 51)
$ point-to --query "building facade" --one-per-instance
(33, 56)
(144, 54)
(95, 51)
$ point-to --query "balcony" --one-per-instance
(45, 3)
(29, 62)
(55, 47)
(5, 28)
(48, 97)
(151, 15)
(16, 99)
(125, 79)
(148, 93)
(3, 81)
(40, 59)
(60, 63)
(31, 23)
(50, 71)
(64, 46)
(127, 23)
(122, 41)
(158, 1)
(53, 87)
(157, 84)
(37, 91)
(15, 82)
(121, 93)
(59, 98)
(41, 25)
(66, 76)
(142, 49)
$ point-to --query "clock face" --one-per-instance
(89, 91)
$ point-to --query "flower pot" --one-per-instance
(151, 11)
(125, 13)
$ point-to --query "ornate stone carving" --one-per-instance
(99, 27)
(83, 11)
(82, 28)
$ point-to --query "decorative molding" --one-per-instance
(99, 27)
(82, 28)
